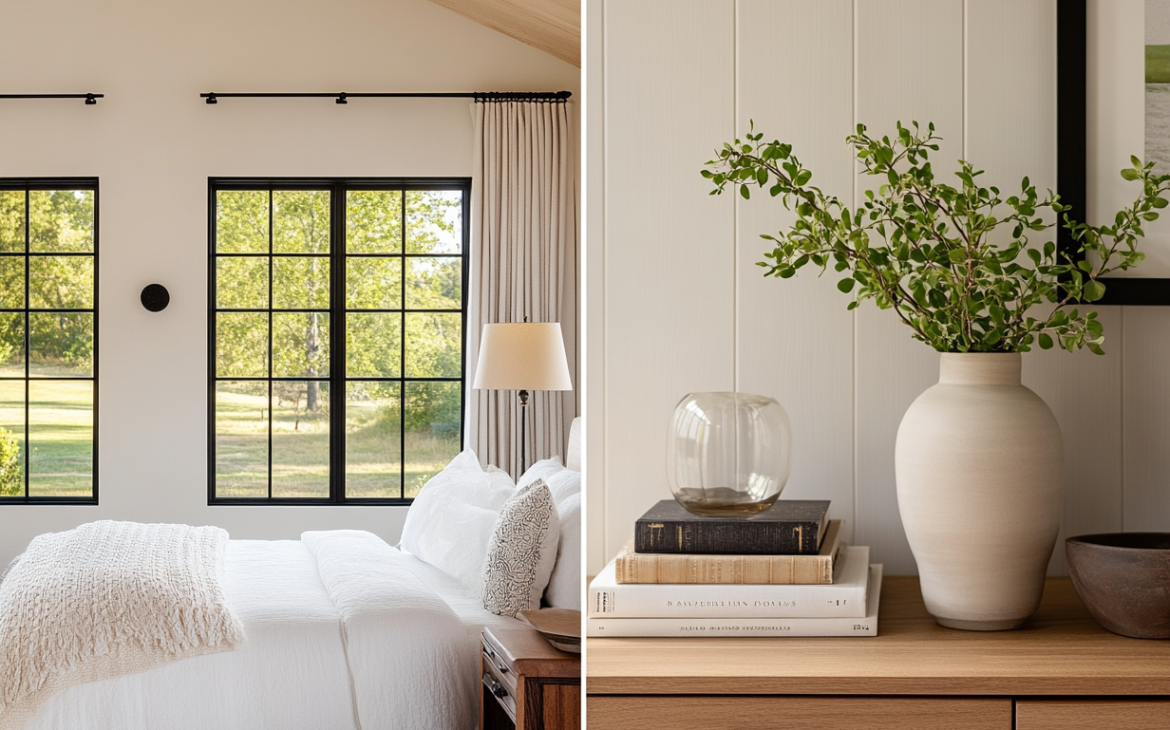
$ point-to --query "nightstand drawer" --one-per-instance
(632, 712)
(498, 660)
(1094, 714)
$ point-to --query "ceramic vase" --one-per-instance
(978, 463)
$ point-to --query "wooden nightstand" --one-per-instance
(1061, 670)
(527, 684)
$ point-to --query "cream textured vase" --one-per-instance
(978, 462)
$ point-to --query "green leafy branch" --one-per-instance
(925, 248)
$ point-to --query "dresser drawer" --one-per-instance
(1092, 714)
(631, 712)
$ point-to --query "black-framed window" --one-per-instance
(48, 340)
(336, 337)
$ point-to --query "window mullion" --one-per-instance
(337, 356)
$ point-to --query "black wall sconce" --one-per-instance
(155, 297)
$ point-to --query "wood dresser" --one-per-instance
(527, 684)
(1062, 670)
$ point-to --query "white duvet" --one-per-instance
(341, 633)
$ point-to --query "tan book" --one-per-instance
(633, 567)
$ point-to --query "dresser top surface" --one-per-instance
(1061, 650)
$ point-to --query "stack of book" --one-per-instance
(782, 572)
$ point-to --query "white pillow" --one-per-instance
(452, 518)
(562, 482)
(564, 587)
(522, 551)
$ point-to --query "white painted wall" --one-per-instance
(153, 143)
(683, 308)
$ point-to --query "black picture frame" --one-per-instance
(1072, 66)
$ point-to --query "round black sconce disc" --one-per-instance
(155, 297)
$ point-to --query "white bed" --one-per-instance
(343, 631)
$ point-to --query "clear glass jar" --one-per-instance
(728, 454)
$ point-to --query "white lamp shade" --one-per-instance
(522, 356)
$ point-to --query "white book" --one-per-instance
(867, 626)
(844, 598)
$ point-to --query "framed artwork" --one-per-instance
(1113, 101)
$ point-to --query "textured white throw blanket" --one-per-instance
(108, 599)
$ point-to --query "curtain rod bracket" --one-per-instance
(90, 99)
(211, 98)
(341, 99)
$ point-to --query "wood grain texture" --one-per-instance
(808, 713)
(1146, 359)
(1061, 650)
(897, 81)
(794, 337)
(543, 683)
(669, 247)
(553, 26)
(1092, 714)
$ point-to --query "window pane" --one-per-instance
(433, 345)
(11, 438)
(12, 344)
(60, 435)
(12, 220)
(374, 345)
(300, 221)
(432, 430)
(300, 439)
(300, 345)
(11, 282)
(374, 283)
(241, 282)
(241, 344)
(373, 221)
(241, 439)
(434, 221)
(434, 283)
(60, 344)
(241, 221)
(60, 282)
(300, 283)
(373, 462)
(61, 220)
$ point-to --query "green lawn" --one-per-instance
(59, 461)
(300, 448)
(61, 438)
(1158, 64)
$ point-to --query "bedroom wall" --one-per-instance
(676, 303)
(153, 143)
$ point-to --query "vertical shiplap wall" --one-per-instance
(685, 308)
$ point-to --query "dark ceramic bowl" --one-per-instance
(1123, 578)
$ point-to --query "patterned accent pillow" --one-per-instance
(521, 552)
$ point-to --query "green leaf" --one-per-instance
(1130, 174)
(846, 285)
(1045, 341)
(745, 192)
(1094, 290)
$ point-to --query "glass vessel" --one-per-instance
(728, 454)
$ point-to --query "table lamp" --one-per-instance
(522, 356)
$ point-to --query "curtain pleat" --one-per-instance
(523, 264)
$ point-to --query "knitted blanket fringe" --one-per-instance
(107, 599)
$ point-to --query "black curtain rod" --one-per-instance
(341, 97)
(89, 98)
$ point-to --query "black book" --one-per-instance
(788, 527)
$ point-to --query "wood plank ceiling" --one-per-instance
(553, 26)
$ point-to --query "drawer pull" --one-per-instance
(501, 666)
(497, 689)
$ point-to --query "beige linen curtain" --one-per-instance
(523, 264)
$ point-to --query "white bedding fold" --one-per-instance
(397, 632)
(108, 599)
